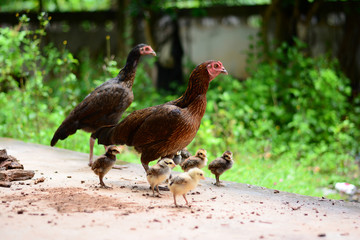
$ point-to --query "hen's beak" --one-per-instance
(153, 53)
(223, 70)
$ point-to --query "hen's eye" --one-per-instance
(216, 65)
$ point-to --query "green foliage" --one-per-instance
(25, 97)
(55, 5)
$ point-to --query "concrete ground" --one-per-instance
(70, 205)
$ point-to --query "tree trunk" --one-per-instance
(349, 51)
(122, 28)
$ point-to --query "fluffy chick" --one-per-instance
(159, 172)
(199, 161)
(184, 182)
(181, 155)
(104, 163)
(220, 165)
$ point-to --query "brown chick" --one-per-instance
(159, 172)
(220, 165)
(104, 163)
(184, 182)
(199, 161)
(162, 130)
(105, 105)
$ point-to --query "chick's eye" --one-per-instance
(216, 65)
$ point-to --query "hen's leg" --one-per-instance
(145, 166)
(92, 142)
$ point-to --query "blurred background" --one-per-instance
(288, 109)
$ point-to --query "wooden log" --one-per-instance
(8, 161)
(16, 175)
(3, 155)
(5, 184)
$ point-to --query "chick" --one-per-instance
(177, 158)
(104, 163)
(159, 172)
(184, 182)
(220, 165)
(181, 156)
(199, 161)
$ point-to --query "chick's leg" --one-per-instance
(218, 181)
(175, 200)
(157, 189)
(152, 188)
(101, 176)
(187, 203)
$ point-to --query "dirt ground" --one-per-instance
(70, 205)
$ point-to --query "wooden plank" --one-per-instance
(16, 175)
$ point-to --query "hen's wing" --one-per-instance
(147, 127)
(167, 125)
(103, 106)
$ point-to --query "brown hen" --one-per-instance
(105, 105)
(162, 130)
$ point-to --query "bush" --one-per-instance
(293, 110)
(25, 97)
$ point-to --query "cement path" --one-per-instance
(69, 205)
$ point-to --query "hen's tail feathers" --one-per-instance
(63, 132)
(104, 135)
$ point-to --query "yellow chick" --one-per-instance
(184, 182)
(159, 172)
